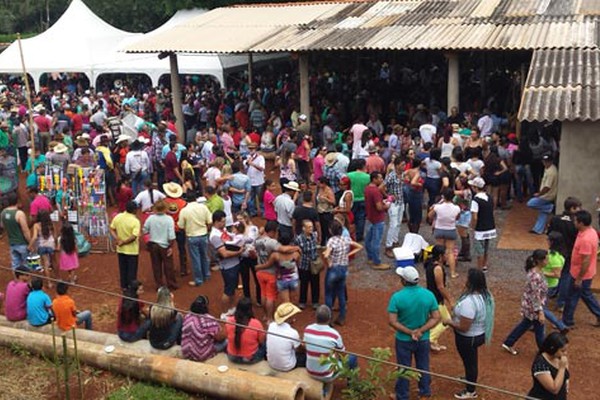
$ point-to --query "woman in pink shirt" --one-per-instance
(268, 200)
(319, 164)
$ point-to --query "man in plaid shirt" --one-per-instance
(333, 175)
(393, 186)
(158, 142)
(307, 241)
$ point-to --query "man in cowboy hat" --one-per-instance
(175, 204)
(137, 165)
(283, 341)
(284, 208)
(333, 175)
(374, 162)
(59, 156)
(256, 172)
(161, 229)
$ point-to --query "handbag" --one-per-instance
(316, 266)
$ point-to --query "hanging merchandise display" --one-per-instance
(93, 218)
(60, 188)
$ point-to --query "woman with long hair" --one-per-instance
(67, 245)
(473, 325)
(446, 214)
(42, 240)
(268, 198)
(436, 283)
(202, 337)
(550, 369)
(131, 326)
(287, 167)
(248, 259)
(415, 195)
(532, 302)
(462, 198)
(325, 204)
(165, 321)
(245, 346)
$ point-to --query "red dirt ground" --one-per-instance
(366, 327)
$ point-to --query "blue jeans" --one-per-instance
(433, 187)
(335, 286)
(415, 206)
(137, 182)
(258, 356)
(404, 354)
(139, 334)
(85, 317)
(563, 283)
(523, 176)
(360, 214)
(584, 292)
(252, 209)
(198, 248)
(373, 241)
(18, 255)
(553, 319)
(523, 327)
(544, 207)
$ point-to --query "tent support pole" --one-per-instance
(304, 85)
(453, 95)
(28, 96)
(250, 72)
(177, 95)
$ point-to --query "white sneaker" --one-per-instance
(465, 394)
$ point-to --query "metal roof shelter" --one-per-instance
(385, 25)
(564, 85)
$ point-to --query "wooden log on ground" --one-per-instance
(182, 374)
(313, 389)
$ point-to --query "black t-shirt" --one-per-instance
(301, 213)
(541, 366)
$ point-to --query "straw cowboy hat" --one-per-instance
(330, 159)
(284, 312)
(173, 190)
(81, 142)
(60, 148)
(292, 186)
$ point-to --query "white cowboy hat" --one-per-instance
(173, 190)
(292, 186)
(60, 148)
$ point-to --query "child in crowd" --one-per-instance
(65, 312)
(124, 193)
(17, 291)
(39, 305)
(69, 259)
(227, 207)
(42, 240)
(237, 239)
(131, 325)
(268, 198)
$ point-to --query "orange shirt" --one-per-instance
(586, 244)
(64, 311)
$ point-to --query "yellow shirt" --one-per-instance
(194, 219)
(127, 225)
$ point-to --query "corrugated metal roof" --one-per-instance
(562, 85)
(387, 24)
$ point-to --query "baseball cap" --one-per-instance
(477, 182)
(409, 274)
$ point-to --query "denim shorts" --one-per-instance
(230, 280)
(287, 285)
(447, 234)
(464, 220)
(42, 251)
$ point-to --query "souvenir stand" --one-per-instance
(59, 187)
(91, 208)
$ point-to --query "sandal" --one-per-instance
(454, 275)
(509, 349)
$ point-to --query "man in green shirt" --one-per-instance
(412, 312)
(214, 202)
(359, 179)
(4, 140)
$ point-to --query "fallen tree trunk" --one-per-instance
(182, 374)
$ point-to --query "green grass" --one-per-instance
(144, 391)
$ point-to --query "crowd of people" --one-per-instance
(214, 201)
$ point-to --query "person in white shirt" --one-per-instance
(485, 123)
(283, 341)
(256, 172)
(427, 132)
(284, 208)
(137, 164)
(213, 173)
(146, 198)
(357, 132)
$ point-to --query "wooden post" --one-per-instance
(176, 97)
(77, 364)
(28, 97)
(304, 85)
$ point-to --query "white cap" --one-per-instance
(409, 274)
(302, 117)
(477, 182)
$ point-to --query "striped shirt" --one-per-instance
(317, 339)
(198, 337)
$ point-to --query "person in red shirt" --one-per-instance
(77, 123)
(43, 123)
(38, 203)
(241, 117)
(376, 210)
(171, 165)
(583, 269)
(374, 162)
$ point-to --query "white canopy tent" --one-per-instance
(82, 42)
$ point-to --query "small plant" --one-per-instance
(143, 391)
(376, 377)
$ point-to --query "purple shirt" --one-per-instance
(16, 300)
